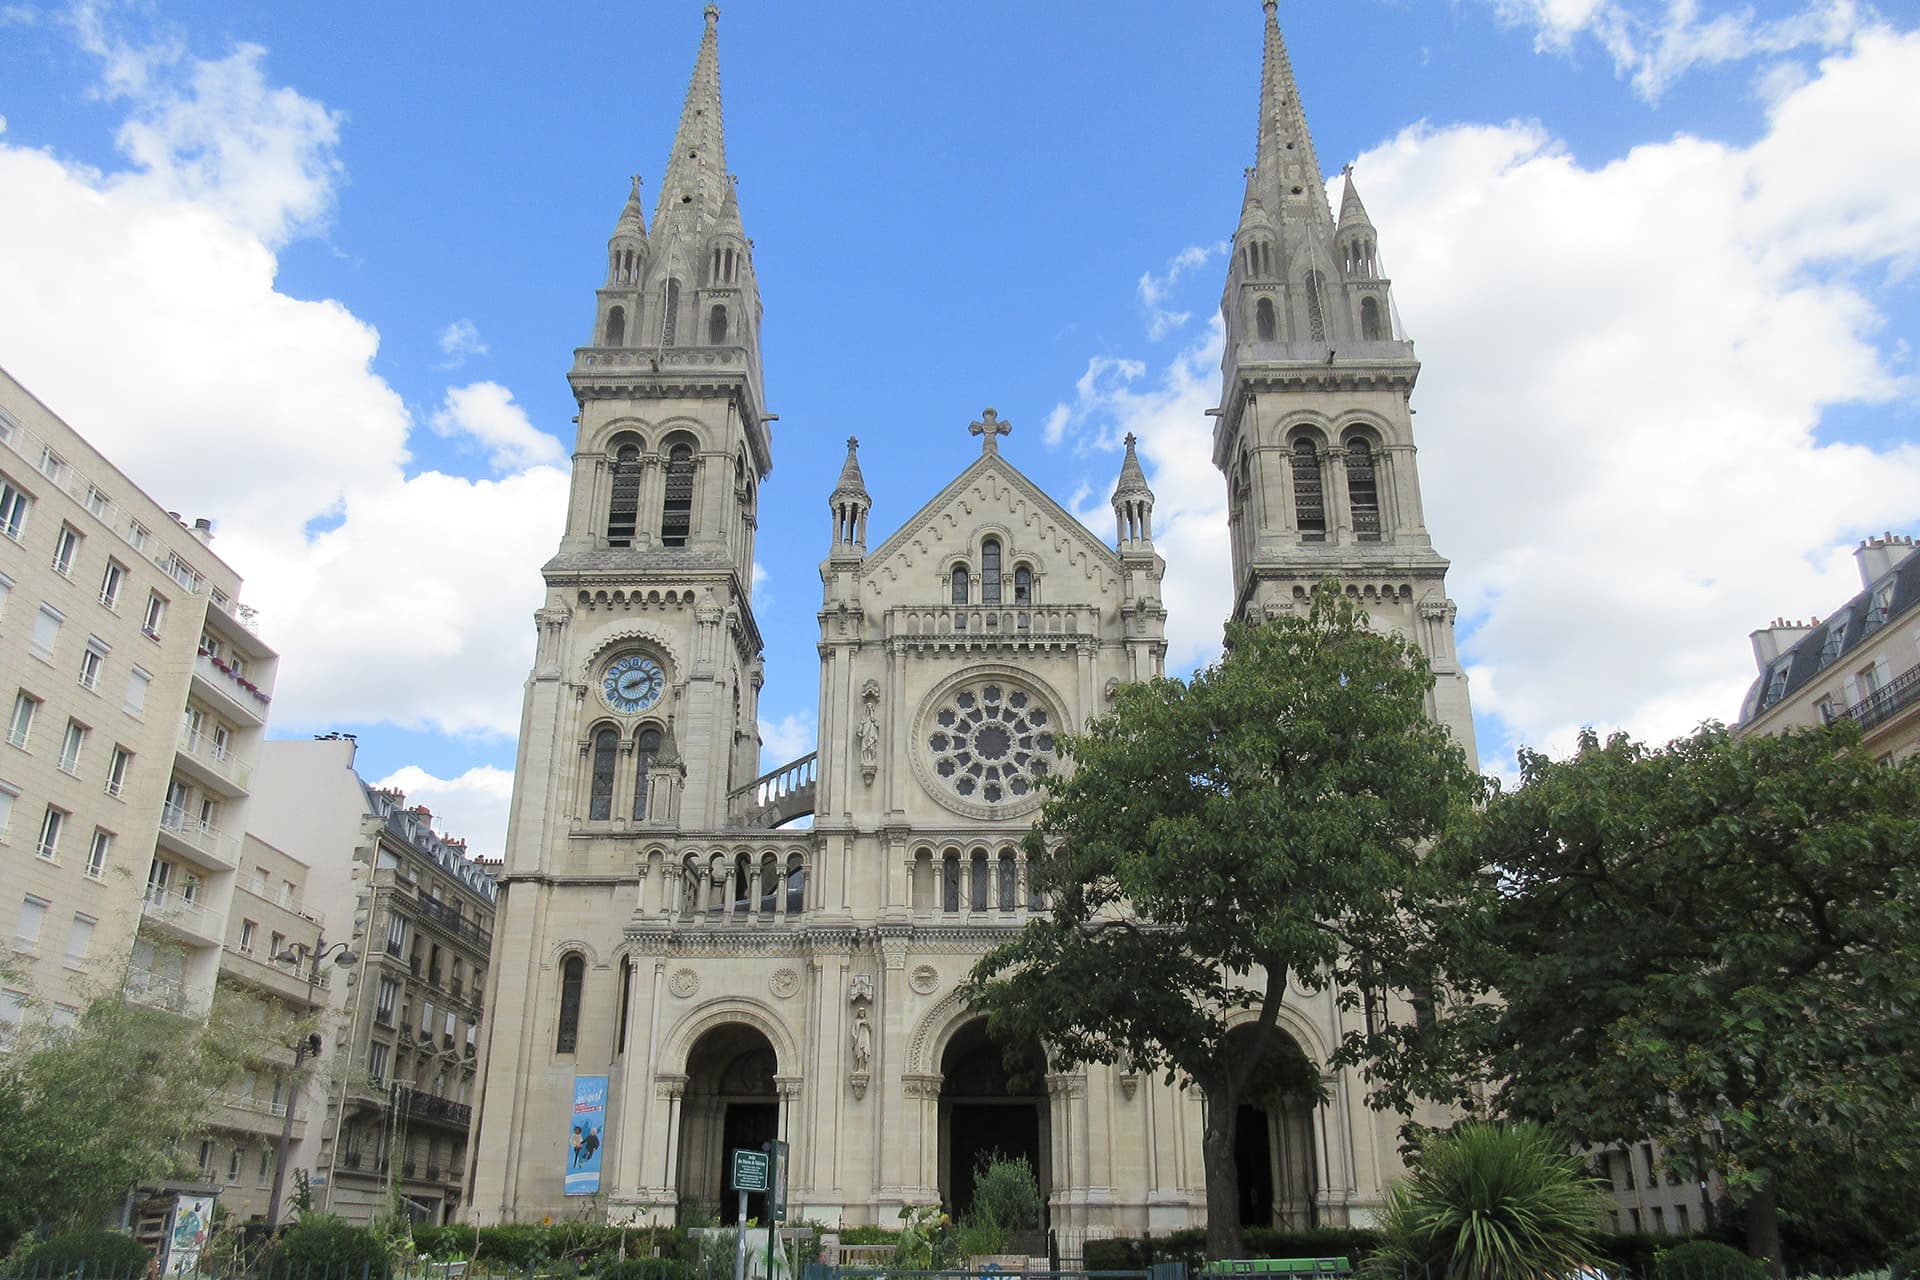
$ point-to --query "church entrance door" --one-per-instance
(988, 1111)
(1273, 1151)
(730, 1103)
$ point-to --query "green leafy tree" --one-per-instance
(1218, 836)
(1715, 944)
(1489, 1202)
(92, 1109)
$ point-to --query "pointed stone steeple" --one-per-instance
(1354, 244)
(850, 502)
(695, 182)
(1286, 169)
(1133, 504)
(1352, 212)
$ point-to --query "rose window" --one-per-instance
(989, 742)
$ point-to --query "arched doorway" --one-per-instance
(987, 1109)
(730, 1102)
(1273, 1149)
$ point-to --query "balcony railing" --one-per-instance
(181, 913)
(1883, 703)
(215, 757)
(202, 837)
(449, 920)
(241, 690)
(429, 1106)
(158, 991)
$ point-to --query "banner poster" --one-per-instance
(587, 1143)
(187, 1235)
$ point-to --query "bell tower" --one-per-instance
(1314, 433)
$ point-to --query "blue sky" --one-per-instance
(1657, 258)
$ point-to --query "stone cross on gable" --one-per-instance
(990, 428)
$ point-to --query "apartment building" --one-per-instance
(1644, 1193)
(136, 693)
(399, 1076)
(1862, 664)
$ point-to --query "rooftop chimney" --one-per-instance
(1775, 639)
(1877, 557)
(203, 530)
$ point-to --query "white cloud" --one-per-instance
(262, 410)
(472, 807)
(1154, 290)
(460, 340)
(484, 413)
(1654, 44)
(786, 739)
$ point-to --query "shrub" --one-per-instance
(661, 1268)
(1006, 1194)
(1707, 1260)
(1115, 1255)
(1632, 1252)
(1906, 1264)
(1485, 1201)
(1355, 1244)
(96, 1252)
(323, 1243)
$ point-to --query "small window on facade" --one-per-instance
(977, 881)
(623, 511)
(1309, 506)
(676, 515)
(645, 747)
(959, 584)
(1264, 326)
(616, 327)
(990, 571)
(717, 326)
(626, 999)
(950, 883)
(1370, 327)
(606, 744)
(1363, 491)
(573, 976)
(796, 884)
(1023, 585)
(1008, 888)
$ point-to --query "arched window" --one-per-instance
(1264, 326)
(1008, 889)
(1309, 505)
(1363, 490)
(959, 584)
(676, 513)
(1370, 327)
(626, 1001)
(1023, 585)
(742, 885)
(990, 571)
(796, 884)
(623, 512)
(977, 881)
(769, 884)
(670, 316)
(1036, 900)
(616, 327)
(606, 743)
(573, 976)
(950, 883)
(646, 745)
(716, 326)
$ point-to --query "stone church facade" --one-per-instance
(735, 979)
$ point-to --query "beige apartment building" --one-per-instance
(1861, 664)
(671, 949)
(136, 694)
(393, 1092)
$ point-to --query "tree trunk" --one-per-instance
(1223, 1177)
(1762, 1215)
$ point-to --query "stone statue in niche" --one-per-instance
(862, 1041)
(866, 734)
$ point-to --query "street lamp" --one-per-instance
(306, 1047)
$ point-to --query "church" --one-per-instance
(679, 969)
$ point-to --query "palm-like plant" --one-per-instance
(1492, 1202)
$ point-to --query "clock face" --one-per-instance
(633, 683)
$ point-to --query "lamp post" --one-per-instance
(307, 1046)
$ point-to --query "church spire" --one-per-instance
(1287, 173)
(1133, 503)
(695, 182)
(850, 502)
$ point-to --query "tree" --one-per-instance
(1488, 1201)
(1715, 945)
(1214, 838)
(88, 1111)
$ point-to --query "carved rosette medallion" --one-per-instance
(683, 983)
(784, 983)
(925, 978)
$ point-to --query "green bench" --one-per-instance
(1280, 1266)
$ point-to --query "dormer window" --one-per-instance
(1880, 608)
(1777, 681)
(1835, 642)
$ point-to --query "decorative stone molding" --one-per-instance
(925, 979)
(785, 982)
(684, 983)
(860, 988)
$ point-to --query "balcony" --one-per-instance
(180, 918)
(284, 981)
(432, 1107)
(212, 765)
(1885, 702)
(449, 921)
(203, 842)
(261, 1116)
(157, 991)
(234, 694)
